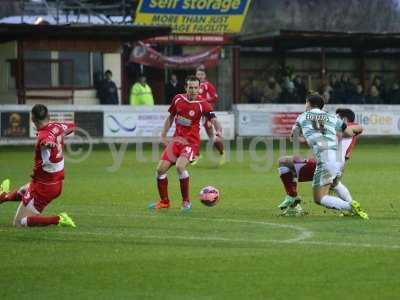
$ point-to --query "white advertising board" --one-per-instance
(132, 124)
(150, 124)
(59, 116)
(277, 120)
(227, 120)
(379, 123)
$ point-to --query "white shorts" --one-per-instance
(329, 167)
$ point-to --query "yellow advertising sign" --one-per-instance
(194, 16)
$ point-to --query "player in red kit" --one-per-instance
(47, 178)
(295, 167)
(186, 111)
(208, 92)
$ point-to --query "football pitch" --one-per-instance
(239, 249)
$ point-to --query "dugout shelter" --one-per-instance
(60, 64)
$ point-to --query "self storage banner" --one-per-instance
(194, 16)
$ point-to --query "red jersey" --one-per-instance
(187, 117)
(49, 159)
(208, 92)
(349, 143)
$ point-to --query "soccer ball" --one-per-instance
(209, 196)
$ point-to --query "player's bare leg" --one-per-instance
(162, 185)
(217, 142)
(287, 172)
(184, 181)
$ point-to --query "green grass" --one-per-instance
(239, 249)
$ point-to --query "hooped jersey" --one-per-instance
(187, 117)
(320, 129)
(49, 158)
(208, 92)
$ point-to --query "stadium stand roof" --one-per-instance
(291, 39)
(11, 32)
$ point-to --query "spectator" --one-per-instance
(141, 93)
(356, 81)
(378, 83)
(326, 91)
(252, 92)
(332, 79)
(358, 96)
(289, 94)
(342, 90)
(393, 96)
(300, 87)
(336, 88)
(272, 91)
(374, 97)
(107, 91)
(348, 88)
(172, 88)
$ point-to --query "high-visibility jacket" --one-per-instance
(141, 95)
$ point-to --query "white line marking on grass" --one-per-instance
(175, 237)
(346, 244)
(303, 233)
(221, 239)
(299, 239)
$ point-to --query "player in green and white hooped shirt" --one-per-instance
(320, 130)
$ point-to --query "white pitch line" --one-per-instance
(346, 244)
(173, 237)
(221, 239)
(300, 239)
(303, 233)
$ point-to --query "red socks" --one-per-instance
(289, 184)
(11, 196)
(219, 146)
(162, 184)
(184, 180)
(42, 220)
(184, 183)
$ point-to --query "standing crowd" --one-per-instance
(338, 90)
